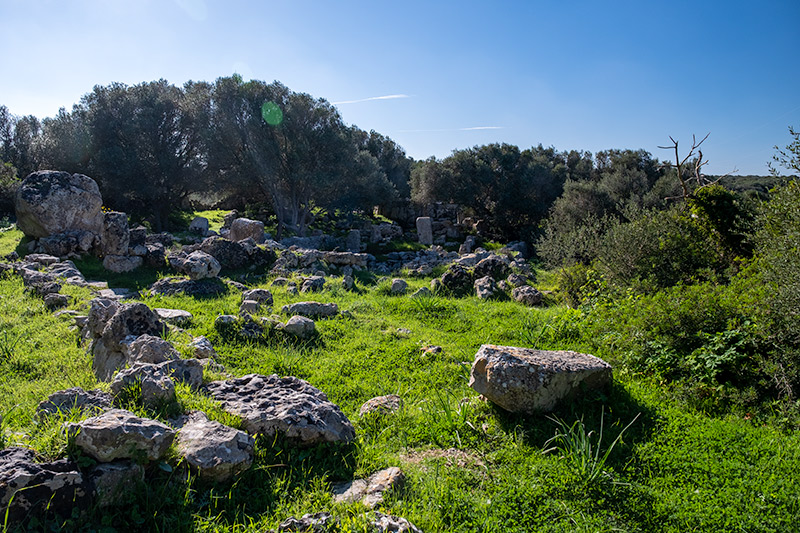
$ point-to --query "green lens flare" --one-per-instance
(271, 113)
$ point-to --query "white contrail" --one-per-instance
(387, 97)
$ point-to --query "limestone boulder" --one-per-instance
(30, 487)
(311, 309)
(527, 295)
(287, 406)
(203, 349)
(199, 288)
(128, 320)
(262, 296)
(196, 265)
(177, 317)
(494, 266)
(122, 263)
(231, 255)
(486, 288)
(215, 451)
(153, 381)
(425, 230)
(399, 286)
(524, 380)
(457, 281)
(147, 349)
(75, 398)
(300, 326)
(115, 238)
(199, 225)
(119, 434)
(313, 284)
(114, 483)
(244, 228)
(369, 491)
(50, 202)
(381, 405)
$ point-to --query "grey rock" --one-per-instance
(523, 380)
(215, 451)
(179, 317)
(422, 292)
(381, 405)
(50, 202)
(311, 309)
(456, 281)
(199, 225)
(156, 386)
(354, 241)
(115, 238)
(399, 286)
(132, 319)
(369, 491)
(196, 288)
(56, 301)
(313, 284)
(75, 398)
(527, 295)
(30, 488)
(485, 288)
(288, 406)
(119, 434)
(348, 283)
(494, 266)
(203, 348)
(243, 228)
(516, 280)
(122, 263)
(147, 349)
(42, 259)
(425, 230)
(262, 296)
(114, 483)
(197, 265)
(250, 307)
(300, 326)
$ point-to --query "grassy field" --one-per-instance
(471, 467)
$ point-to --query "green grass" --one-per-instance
(471, 467)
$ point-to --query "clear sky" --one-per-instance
(440, 75)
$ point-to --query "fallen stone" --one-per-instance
(75, 398)
(523, 380)
(199, 225)
(369, 491)
(243, 228)
(156, 387)
(119, 434)
(300, 326)
(29, 488)
(381, 405)
(313, 284)
(527, 295)
(122, 263)
(485, 288)
(115, 238)
(399, 286)
(179, 317)
(196, 288)
(203, 348)
(287, 406)
(147, 349)
(311, 309)
(215, 451)
(114, 483)
(55, 301)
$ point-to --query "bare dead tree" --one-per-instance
(698, 178)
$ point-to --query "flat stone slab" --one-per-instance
(288, 406)
(119, 434)
(524, 380)
(179, 317)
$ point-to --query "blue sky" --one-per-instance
(585, 75)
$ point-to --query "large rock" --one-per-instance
(199, 225)
(524, 380)
(261, 296)
(132, 319)
(69, 242)
(50, 202)
(493, 266)
(115, 239)
(75, 398)
(215, 451)
(353, 241)
(119, 434)
(29, 488)
(199, 288)
(456, 281)
(122, 263)
(300, 326)
(196, 265)
(178, 317)
(313, 284)
(244, 228)
(287, 406)
(114, 483)
(425, 230)
(311, 309)
(527, 295)
(154, 384)
(485, 288)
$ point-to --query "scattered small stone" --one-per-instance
(179, 317)
(381, 405)
(369, 491)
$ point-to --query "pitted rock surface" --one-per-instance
(30, 488)
(311, 309)
(381, 405)
(486, 288)
(203, 349)
(523, 380)
(527, 295)
(216, 451)
(50, 202)
(155, 384)
(300, 326)
(369, 491)
(147, 349)
(262, 296)
(119, 434)
(197, 288)
(74, 398)
(128, 320)
(287, 406)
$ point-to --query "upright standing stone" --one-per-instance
(354, 241)
(116, 238)
(425, 230)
